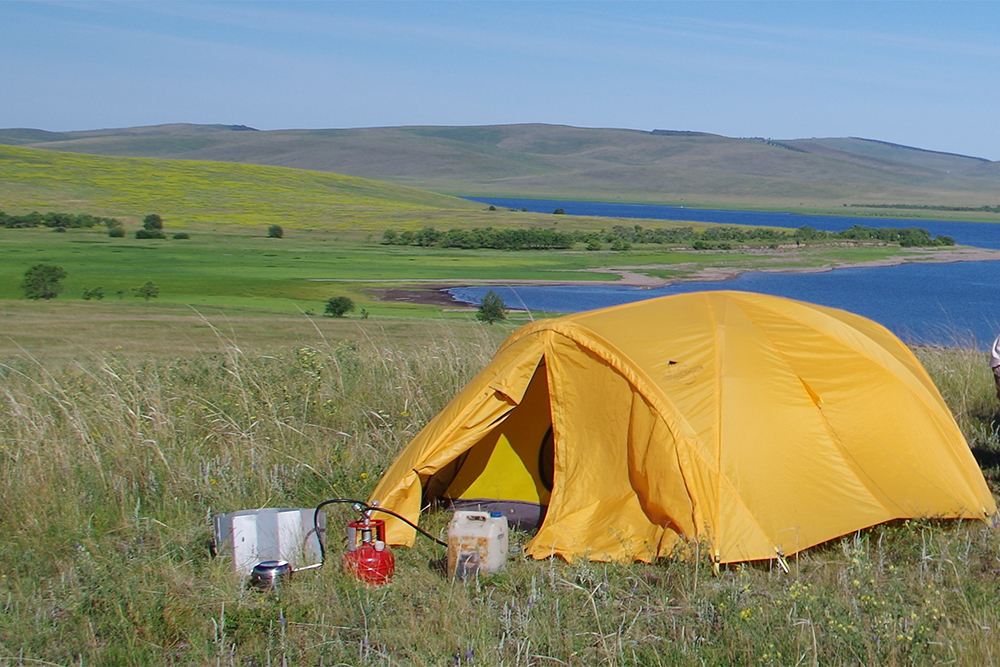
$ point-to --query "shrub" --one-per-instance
(93, 293)
(152, 222)
(338, 306)
(148, 290)
(559, 211)
(491, 309)
(182, 235)
(42, 281)
(275, 232)
(149, 234)
(116, 232)
(60, 229)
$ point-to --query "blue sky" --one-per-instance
(924, 74)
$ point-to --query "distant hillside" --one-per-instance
(198, 191)
(559, 161)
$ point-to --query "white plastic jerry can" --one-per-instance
(477, 543)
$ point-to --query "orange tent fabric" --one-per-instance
(755, 425)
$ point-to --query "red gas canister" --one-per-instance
(370, 561)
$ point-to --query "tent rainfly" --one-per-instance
(754, 425)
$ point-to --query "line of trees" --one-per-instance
(530, 238)
(152, 224)
(621, 237)
(907, 236)
(54, 219)
(713, 236)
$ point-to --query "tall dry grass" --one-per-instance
(964, 378)
(113, 466)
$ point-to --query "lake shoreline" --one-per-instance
(435, 292)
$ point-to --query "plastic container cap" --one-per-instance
(496, 515)
(379, 545)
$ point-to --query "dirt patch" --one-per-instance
(424, 294)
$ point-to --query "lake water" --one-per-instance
(921, 303)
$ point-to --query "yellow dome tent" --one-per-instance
(754, 424)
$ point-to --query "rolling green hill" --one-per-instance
(553, 161)
(207, 192)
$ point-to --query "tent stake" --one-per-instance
(697, 559)
(781, 562)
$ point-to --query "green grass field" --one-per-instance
(238, 266)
